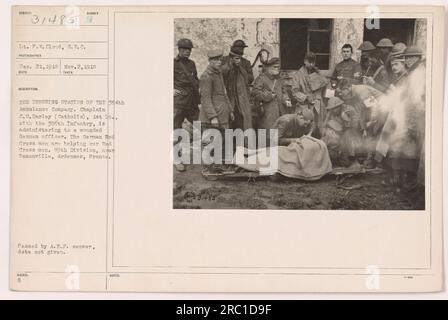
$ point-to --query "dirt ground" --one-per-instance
(358, 192)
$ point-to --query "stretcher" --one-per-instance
(234, 172)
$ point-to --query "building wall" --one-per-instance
(264, 33)
(220, 33)
(345, 31)
(420, 33)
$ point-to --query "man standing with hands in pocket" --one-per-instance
(269, 91)
(216, 109)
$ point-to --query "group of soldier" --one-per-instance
(357, 129)
(295, 103)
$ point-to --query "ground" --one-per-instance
(356, 192)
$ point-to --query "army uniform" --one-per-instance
(187, 82)
(366, 48)
(403, 146)
(342, 135)
(215, 103)
(245, 64)
(397, 50)
(270, 93)
(214, 100)
(397, 78)
(348, 69)
(385, 43)
(380, 77)
(310, 84)
(289, 128)
(236, 82)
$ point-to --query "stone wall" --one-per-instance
(220, 33)
(345, 31)
(264, 33)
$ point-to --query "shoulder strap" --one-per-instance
(378, 71)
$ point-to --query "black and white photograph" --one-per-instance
(226, 150)
(301, 114)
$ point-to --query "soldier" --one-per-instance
(413, 56)
(341, 134)
(270, 94)
(307, 88)
(348, 68)
(366, 48)
(398, 69)
(216, 109)
(186, 88)
(293, 126)
(238, 46)
(385, 46)
(236, 81)
(397, 50)
(401, 144)
(370, 120)
(376, 75)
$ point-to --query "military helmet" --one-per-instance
(398, 48)
(366, 46)
(239, 43)
(185, 43)
(413, 51)
(385, 43)
(334, 102)
(397, 57)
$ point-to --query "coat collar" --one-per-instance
(181, 59)
(351, 60)
(213, 70)
(271, 77)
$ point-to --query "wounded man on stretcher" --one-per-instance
(298, 154)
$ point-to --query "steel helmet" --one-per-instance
(366, 46)
(185, 43)
(385, 43)
(413, 51)
(398, 48)
(334, 102)
(239, 43)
